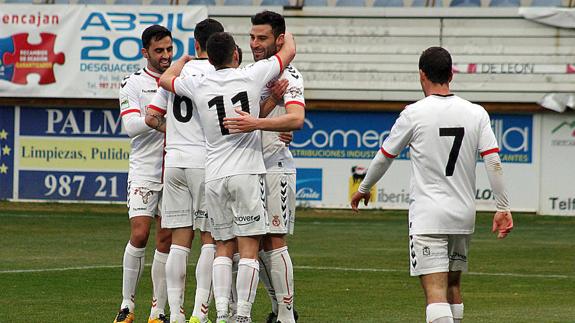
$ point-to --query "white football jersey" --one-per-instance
(277, 156)
(445, 134)
(216, 96)
(185, 140)
(147, 149)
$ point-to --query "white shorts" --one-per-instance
(280, 198)
(144, 198)
(184, 199)
(438, 253)
(236, 206)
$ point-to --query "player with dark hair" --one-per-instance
(445, 133)
(184, 205)
(235, 188)
(145, 176)
(286, 113)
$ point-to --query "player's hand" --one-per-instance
(278, 89)
(186, 58)
(502, 223)
(286, 137)
(357, 197)
(244, 123)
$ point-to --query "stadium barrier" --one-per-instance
(61, 138)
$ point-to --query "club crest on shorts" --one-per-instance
(276, 221)
(426, 251)
(144, 193)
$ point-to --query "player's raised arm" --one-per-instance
(170, 75)
(287, 52)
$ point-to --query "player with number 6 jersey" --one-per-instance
(235, 187)
(184, 206)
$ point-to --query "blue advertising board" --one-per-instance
(309, 184)
(69, 154)
(6, 152)
(358, 135)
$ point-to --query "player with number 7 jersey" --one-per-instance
(445, 133)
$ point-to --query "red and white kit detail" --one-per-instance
(147, 147)
(444, 134)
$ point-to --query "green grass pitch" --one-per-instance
(62, 263)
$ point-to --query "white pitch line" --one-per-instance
(18, 271)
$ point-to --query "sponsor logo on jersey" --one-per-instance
(309, 184)
(295, 91)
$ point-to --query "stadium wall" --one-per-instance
(360, 68)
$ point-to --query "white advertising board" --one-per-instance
(557, 194)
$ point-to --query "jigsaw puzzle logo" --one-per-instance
(19, 58)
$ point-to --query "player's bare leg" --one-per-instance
(160, 296)
(204, 270)
(248, 276)
(435, 289)
(222, 277)
(176, 271)
(281, 270)
(454, 295)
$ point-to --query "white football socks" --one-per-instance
(234, 294)
(133, 267)
(457, 311)
(247, 284)
(160, 296)
(176, 281)
(204, 271)
(438, 313)
(265, 277)
(222, 278)
(282, 281)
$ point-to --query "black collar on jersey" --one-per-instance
(443, 95)
(200, 59)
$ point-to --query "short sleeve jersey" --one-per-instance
(147, 149)
(277, 156)
(185, 140)
(444, 135)
(216, 96)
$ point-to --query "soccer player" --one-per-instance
(287, 114)
(444, 133)
(235, 188)
(183, 206)
(145, 176)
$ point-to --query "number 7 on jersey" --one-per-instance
(458, 133)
